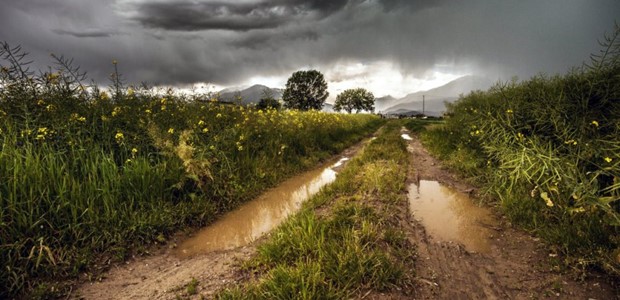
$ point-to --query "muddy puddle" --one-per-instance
(449, 215)
(253, 219)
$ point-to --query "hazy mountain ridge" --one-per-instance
(251, 95)
(434, 99)
(411, 104)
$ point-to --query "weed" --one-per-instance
(547, 148)
(85, 173)
(352, 248)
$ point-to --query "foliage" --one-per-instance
(305, 90)
(353, 246)
(548, 148)
(268, 101)
(358, 99)
(87, 176)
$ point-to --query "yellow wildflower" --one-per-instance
(595, 123)
(134, 151)
(205, 130)
(119, 136)
(148, 111)
(171, 130)
(608, 159)
(218, 115)
(509, 111)
(201, 123)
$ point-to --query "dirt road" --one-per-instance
(517, 266)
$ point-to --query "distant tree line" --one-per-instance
(306, 90)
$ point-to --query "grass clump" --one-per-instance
(548, 149)
(88, 174)
(352, 246)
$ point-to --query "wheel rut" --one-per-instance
(517, 265)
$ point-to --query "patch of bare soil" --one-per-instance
(518, 266)
(164, 276)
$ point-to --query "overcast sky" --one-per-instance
(388, 46)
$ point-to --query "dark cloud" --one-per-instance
(92, 33)
(228, 42)
(229, 15)
(390, 5)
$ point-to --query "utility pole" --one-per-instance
(423, 102)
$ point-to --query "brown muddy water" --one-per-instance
(253, 219)
(450, 215)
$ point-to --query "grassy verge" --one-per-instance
(346, 240)
(86, 176)
(547, 148)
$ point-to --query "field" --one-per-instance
(87, 176)
(90, 177)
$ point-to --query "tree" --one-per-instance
(355, 99)
(268, 101)
(305, 90)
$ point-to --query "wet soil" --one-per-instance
(511, 265)
(212, 256)
(515, 265)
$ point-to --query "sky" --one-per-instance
(386, 46)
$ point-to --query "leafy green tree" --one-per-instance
(355, 99)
(268, 101)
(305, 90)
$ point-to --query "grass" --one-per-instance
(88, 176)
(547, 149)
(345, 241)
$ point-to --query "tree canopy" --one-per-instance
(268, 101)
(305, 90)
(355, 99)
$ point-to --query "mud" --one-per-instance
(257, 217)
(166, 273)
(515, 265)
(511, 265)
(451, 216)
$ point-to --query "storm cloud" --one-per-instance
(230, 42)
(229, 15)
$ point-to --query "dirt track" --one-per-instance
(517, 267)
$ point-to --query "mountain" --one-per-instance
(384, 102)
(434, 99)
(250, 95)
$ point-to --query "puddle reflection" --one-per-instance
(253, 219)
(451, 216)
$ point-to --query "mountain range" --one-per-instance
(249, 95)
(430, 102)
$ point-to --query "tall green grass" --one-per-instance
(548, 149)
(87, 176)
(353, 246)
